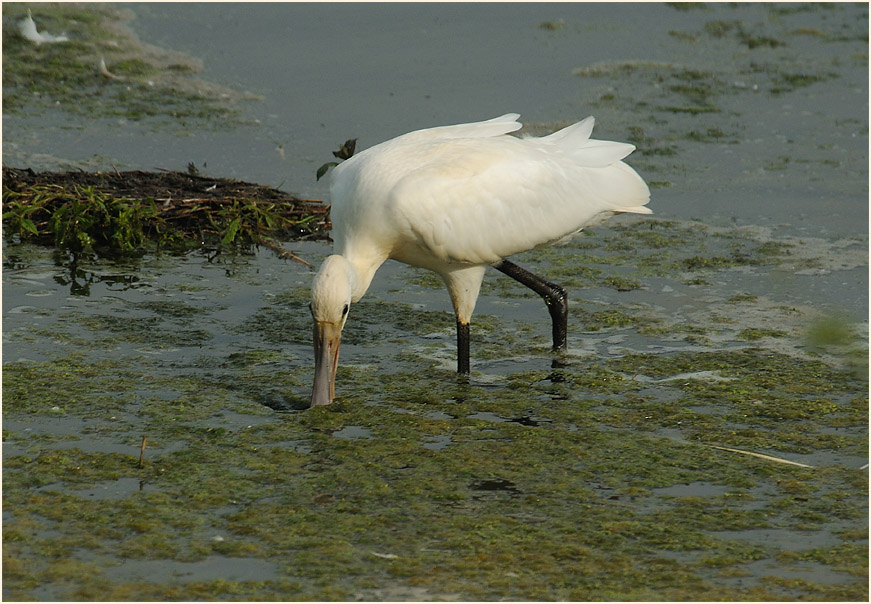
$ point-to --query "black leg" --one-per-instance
(462, 348)
(554, 296)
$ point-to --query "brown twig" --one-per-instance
(762, 456)
(142, 451)
(283, 253)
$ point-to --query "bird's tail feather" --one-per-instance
(572, 135)
(636, 210)
(575, 140)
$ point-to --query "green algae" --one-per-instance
(326, 519)
(787, 82)
(71, 466)
(343, 516)
(751, 335)
(145, 82)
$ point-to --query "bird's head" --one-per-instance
(331, 299)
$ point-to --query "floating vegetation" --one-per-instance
(721, 29)
(126, 212)
(100, 68)
(708, 136)
(697, 94)
(787, 82)
(552, 25)
(225, 478)
(551, 473)
(612, 68)
(696, 88)
(685, 6)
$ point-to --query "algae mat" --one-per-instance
(618, 471)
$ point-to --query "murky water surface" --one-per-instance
(734, 321)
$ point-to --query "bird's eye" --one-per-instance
(344, 310)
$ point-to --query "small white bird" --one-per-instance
(455, 200)
(27, 27)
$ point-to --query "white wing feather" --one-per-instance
(493, 127)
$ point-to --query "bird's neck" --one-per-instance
(363, 270)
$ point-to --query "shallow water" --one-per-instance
(739, 320)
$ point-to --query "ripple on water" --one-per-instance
(437, 442)
(212, 568)
(109, 489)
(353, 433)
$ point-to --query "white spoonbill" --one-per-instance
(455, 200)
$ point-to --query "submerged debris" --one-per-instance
(122, 212)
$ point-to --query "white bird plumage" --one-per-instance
(27, 28)
(455, 199)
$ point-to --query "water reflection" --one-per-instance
(80, 280)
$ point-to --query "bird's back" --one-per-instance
(471, 194)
